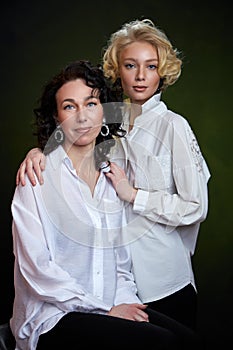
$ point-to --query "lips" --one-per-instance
(82, 130)
(139, 88)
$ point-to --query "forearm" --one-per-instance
(171, 209)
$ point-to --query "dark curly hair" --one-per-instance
(45, 123)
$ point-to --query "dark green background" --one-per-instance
(38, 38)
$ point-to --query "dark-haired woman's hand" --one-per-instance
(133, 312)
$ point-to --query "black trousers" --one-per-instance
(181, 306)
(104, 331)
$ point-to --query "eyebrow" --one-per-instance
(86, 99)
(135, 59)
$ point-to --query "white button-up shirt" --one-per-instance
(68, 253)
(163, 160)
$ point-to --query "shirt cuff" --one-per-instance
(126, 298)
(140, 201)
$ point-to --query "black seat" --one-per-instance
(7, 341)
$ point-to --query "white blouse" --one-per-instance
(164, 161)
(68, 253)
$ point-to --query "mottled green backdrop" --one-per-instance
(38, 38)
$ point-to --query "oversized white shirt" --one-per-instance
(68, 255)
(164, 161)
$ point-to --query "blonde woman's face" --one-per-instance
(138, 71)
(80, 113)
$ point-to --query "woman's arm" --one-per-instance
(182, 199)
(126, 304)
(189, 205)
(34, 257)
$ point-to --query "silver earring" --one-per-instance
(59, 134)
(104, 130)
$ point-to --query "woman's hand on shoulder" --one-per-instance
(34, 163)
(133, 312)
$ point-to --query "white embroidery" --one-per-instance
(196, 152)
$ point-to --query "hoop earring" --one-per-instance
(104, 130)
(59, 134)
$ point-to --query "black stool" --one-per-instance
(7, 340)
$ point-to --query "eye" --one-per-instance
(129, 65)
(69, 107)
(91, 104)
(152, 66)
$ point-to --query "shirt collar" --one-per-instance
(58, 156)
(151, 103)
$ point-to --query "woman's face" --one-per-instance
(138, 64)
(80, 113)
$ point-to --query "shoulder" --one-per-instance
(25, 195)
(178, 123)
(176, 119)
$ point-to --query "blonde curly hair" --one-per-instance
(169, 67)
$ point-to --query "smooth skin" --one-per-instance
(138, 64)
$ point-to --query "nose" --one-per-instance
(81, 115)
(140, 74)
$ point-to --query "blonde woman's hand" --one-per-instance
(121, 184)
(33, 164)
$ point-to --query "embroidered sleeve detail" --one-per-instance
(195, 149)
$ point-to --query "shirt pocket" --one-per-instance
(154, 174)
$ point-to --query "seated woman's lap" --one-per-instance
(85, 328)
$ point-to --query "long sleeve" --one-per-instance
(35, 257)
(126, 287)
(179, 195)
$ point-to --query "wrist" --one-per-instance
(133, 195)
